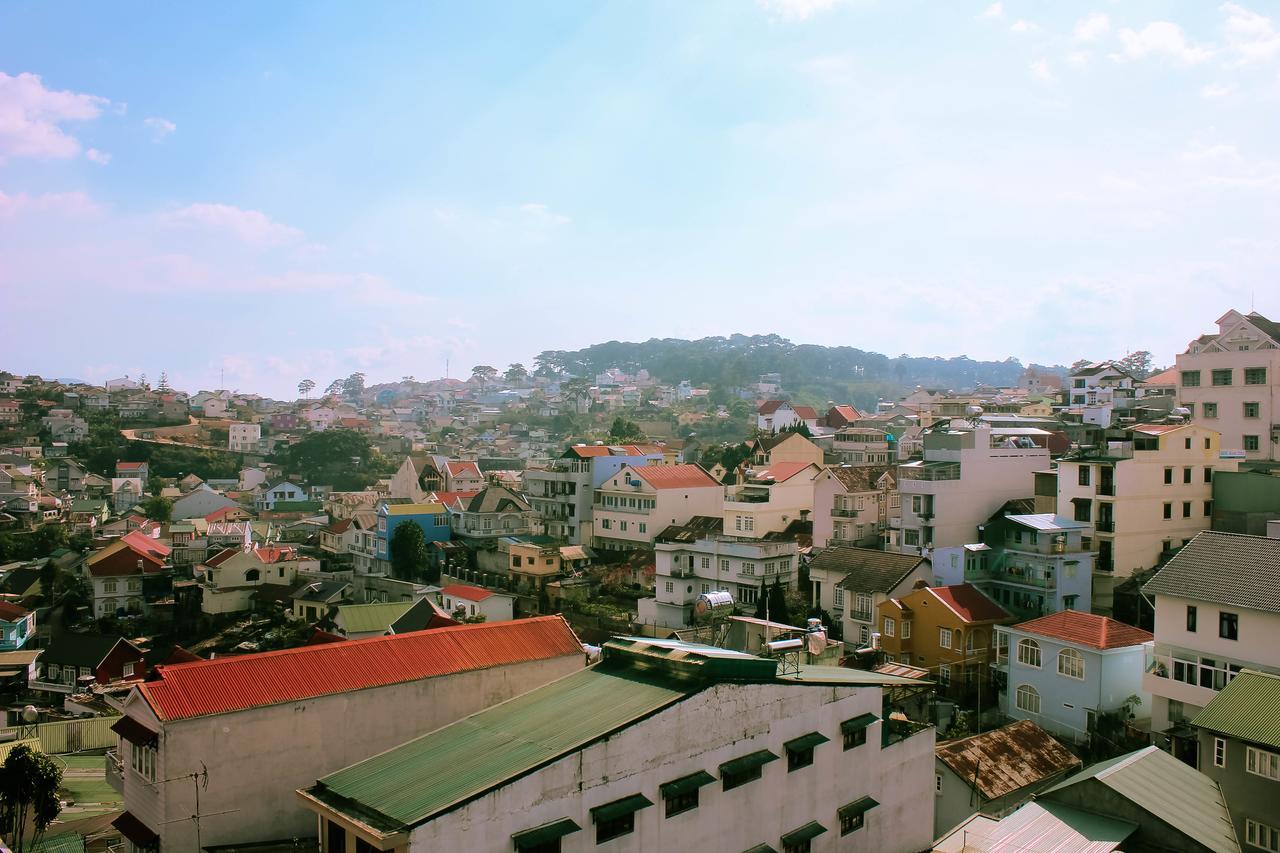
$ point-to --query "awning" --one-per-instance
(134, 732)
(135, 830)
(859, 722)
(804, 742)
(539, 835)
(761, 848)
(857, 807)
(812, 829)
(747, 762)
(685, 784)
(618, 808)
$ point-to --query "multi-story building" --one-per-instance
(768, 450)
(777, 415)
(770, 499)
(562, 493)
(859, 445)
(1146, 491)
(255, 727)
(494, 512)
(698, 558)
(967, 474)
(1100, 391)
(118, 573)
(243, 438)
(1216, 615)
(1063, 670)
(1030, 564)
(851, 583)
(636, 504)
(948, 630)
(854, 505)
(433, 518)
(806, 762)
(1228, 379)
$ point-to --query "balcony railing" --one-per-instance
(114, 771)
(1107, 489)
(844, 513)
(55, 686)
(1105, 525)
(946, 471)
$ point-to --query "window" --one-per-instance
(683, 802)
(1255, 376)
(1186, 509)
(705, 563)
(605, 524)
(944, 674)
(668, 587)
(1208, 509)
(1186, 444)
(1259, 762)
(644, 528)
(944, 638)
(1250, 410)
(1250, 442)
(1186, 472)
(1029, 653)
(618, 818)
(144, 761)
(1191, 618)
(1210, 410)
(889, 626)
(1190, 379)
(1028, 699)
(1071, 663)
(128, 670)
(337, 838)
(854, 732)
(748, 768)
(109, 586)
(839, 597)
(1083, 475)
(906, 629)
(622, 525)
(800, 750)
(1208, 473)
(1222, 377)
(615, 827)
(1168, 476)
(724, 564)
(1083, 509)
(1219, 752)
(1228, 626)
(1260, 835)
(1168, 510)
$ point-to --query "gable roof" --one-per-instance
(368, 618)
(866, 569)
(497, 499)
(470, 593)
(424, 615)
(1248, 708)
(807, 413)
(226, 685)
(457, 469)
(780, 472)
(1086, 629)
(120, 559)
(969, 603)
(686, 476)
(1224, 568)
(768, 407)
(858, 478)
(322, 591)
(10, 612)
(82, 649)
(1006, 759)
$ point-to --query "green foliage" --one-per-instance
(341, 458)
(1136, 364)
(762, 601)
(41, 542)
(625, 430)
(778, 611)
(408, 547)
(29, 802)
(157, 508)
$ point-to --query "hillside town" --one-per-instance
(536, 611)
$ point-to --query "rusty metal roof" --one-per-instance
(1007, 759)
(227, 685)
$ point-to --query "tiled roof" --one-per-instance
(497, 499)
(459, 468)
(858, 478)
(1224, 568)
(674, 476)
(139, 541)
(119, 560)
(969, 603)
(234, 684)
(1248, 709)
(1086, 629)
(470, 593)
(10, 612)
(768, 407)
(130, 466)
(1006, 759)
(849, 413)
(866, 569)
(584, 451)
(780, 472)
(807, 413)
(1164, 377)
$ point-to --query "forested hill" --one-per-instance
(820, 371)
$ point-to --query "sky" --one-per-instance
(254, 194)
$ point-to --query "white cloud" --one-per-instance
(1024, 26)
(1217, 91)
(1041, 71)
(100, 157)
(1159, 38)
(64, 204)
(1250, 37)
(160, 127)
(249, 226)
(995, 10)
(31, 115)
(543, 215)
(1092, 27)
(796, 10)
(1199, 151)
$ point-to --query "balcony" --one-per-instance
(930, 471)
(52, 686)
(1105, 525)
(844, 513)
(1107, 489)
(115, 771)
(1182, 675)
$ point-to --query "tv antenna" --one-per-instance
(199, 782)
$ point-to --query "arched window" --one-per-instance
(1071, 663)
(252, 575)
(1028, 699)
(1029, 653)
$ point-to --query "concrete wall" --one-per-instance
(259, 757)
(721, 723)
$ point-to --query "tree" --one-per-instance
(341, 458)
(1136, 364)
(163, 386)
(158, 508)
(305, 387)
(762, 601)
(516, 374)
(625, 430)
(29, 783)
(334, 388)
(353, 386)
(1076, 365)
(484, 373)
(409, 555)
(778, 604)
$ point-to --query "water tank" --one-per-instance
(1182, 410)
(717, 603)
(973, 411)
(813, 624)
(785, 645)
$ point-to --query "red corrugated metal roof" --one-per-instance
(781, 471)
(457, 468)
(1087, 629)
(227, 685)
(674, 476)
(967, 601)
(12, 612)
(470, 593)
(140, 541)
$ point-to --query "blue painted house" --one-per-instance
(433, 518)
(1062, 670)
(17, 626)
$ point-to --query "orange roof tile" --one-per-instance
(227, 685)
(1087, 629)
(470, 593)
(674, 476)
(969, 603)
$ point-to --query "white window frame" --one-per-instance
(906, 629)
(1260, 835)
(1219, 752)
(1032, 660)
(944, 638)
(838, 597)
(1262, 763)
(1027, 690)
(889, 626)
(1074, 664)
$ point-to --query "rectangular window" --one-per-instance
(854, 732)
(1219, 752)
(337, 838)
(1251, 442)
(1222, 376)
(1083, 475)
(906, 629)
(705, 563)
(644, 528)
(678, 803)
(615, 827)
(1259, 762)
(944, 674)
(1210, 410)
(888, 626)
(724, 565)
(1208, 509)
(1261, 836)
(668, 586)
(1190, 379)
(944, 638)
(1255, 376)
(1191, 618)
(1250, 410)
(1168, 510)
(839, 597)
(1168, 476)
(1208, 474)
(1228, 626)
(1186, 509)
(1186, 472)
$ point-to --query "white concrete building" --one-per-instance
(261, 725)
(562, 492)
(686, 747)
(473, 601)
(633, 506)
(769, 499)
(243, 438)
(855, 505)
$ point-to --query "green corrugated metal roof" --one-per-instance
(1248, 708)
(747, 762)
(366, 618)
(409, 784)
(859, 722)
(857, 807)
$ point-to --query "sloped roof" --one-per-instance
(1086, 629)
(858, 478)
(10, 612)
(780, 472)
(368, 618)
(321, 591)
(1224, 568)
(1006, 759)
(120, 559)
(459, 468)
(470, 593)
(234, 684)
(866, 569)
(82, 649)
(768, 407)
(807, 413)
(685, 476)
(1268, 327)
(497, 499)
(1248, 709)
(1164, 377)
(969, 603)
(139, 541)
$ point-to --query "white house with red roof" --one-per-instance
(1063, 670)
(141, 470)
(229, 578)
(637, 503)
(463, 477)
(118, 571)
(262, 725)
(774, 415)
(473, 601)
(770, 498)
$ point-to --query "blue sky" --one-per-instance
(292, 190)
